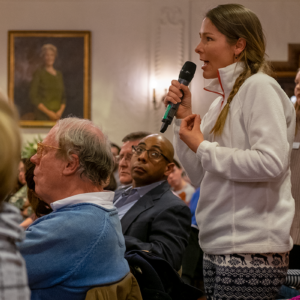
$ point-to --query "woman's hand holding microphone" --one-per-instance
(189, 132)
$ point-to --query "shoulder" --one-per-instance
(261, 81)
(84, 218)
(169, 200)
(58, 73)
(189, 188)
(39, 72)
(263, 88)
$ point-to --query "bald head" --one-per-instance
(148, 167)
(163, 143)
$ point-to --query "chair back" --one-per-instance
(126, 289)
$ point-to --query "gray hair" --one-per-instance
(48, 47)
(83, 138)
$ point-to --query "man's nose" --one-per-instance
(34, 159)
(143, 156)
(123, 162)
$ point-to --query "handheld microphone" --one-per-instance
(185, 77)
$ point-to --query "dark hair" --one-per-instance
(134, 136)
(177, 164)
(113, 145)
(235, 21)
(112, 186)
(39, 207)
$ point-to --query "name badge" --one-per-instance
(296, 145)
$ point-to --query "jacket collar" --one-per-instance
(104, 199)
(226, 78)
(144, 203)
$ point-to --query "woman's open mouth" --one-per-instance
(205, 63)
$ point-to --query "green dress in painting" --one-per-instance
(47, 89)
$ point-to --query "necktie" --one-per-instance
(127, 197)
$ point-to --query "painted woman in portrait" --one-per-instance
(47, 90)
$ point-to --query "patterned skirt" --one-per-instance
(244, 276)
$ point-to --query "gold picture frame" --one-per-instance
(70, 84)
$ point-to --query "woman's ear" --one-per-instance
(239, 46)
(169, 169)
(71, 166)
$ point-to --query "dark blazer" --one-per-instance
(159, 222)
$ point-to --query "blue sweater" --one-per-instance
(72, 250)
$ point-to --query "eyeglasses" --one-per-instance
(152, 154)
(41, 147)
(126, 157)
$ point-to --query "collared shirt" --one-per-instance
(104, 199)
(141, 191)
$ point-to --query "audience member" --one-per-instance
(13, 284)
(295, 178)
(182, 188)
(152, 217)
(18, 195)
(111, 184)
(39, 207)
(131, 139)
(115, 150)
(80, 244)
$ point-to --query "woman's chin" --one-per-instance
(209, 75)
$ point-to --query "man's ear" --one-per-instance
(71, 166)
(169, 169)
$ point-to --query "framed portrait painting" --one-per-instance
(49, 75)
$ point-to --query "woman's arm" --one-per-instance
(60, 111)
(51, 114)
(187, 157)
(181, 93)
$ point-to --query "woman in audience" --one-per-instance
(240, 155)
(182, 188)
(39, 207)
(13, 284)
(19, 199)
(295, 177)
(20, 183)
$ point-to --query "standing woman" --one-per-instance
(241, 156)
(295, 174)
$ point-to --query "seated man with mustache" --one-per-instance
(152, 217)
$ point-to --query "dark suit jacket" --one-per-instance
(159, 222)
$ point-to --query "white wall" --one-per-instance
(134, 41)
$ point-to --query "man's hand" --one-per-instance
(190, 132)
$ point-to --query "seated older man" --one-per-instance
(125, 154)
(79, 245)
(152, 217)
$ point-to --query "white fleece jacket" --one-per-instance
(245, 205)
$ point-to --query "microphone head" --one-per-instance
(188, 70)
